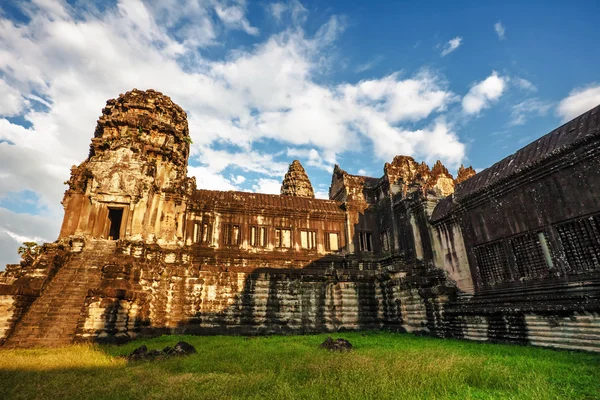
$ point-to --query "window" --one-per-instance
(491, 259)
(283, 237)
(580, 240)
(365, 241)
(331, 241)
(258, 236)
(532, 255)
(385, 240)
(231, 235)
(203, 232)
(308, 239)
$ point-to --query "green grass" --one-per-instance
(382, 365)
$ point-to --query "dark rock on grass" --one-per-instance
(185, 348)
(142, 353)
(336, 345)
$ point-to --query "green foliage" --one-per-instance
(188, 140)
(382, 365)
(140, 130)
(30, 249)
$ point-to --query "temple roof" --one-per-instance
(572, 134)
(260, 201)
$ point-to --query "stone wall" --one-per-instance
(511, 254)
(527, 230)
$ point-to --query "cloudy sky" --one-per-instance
(263, 83)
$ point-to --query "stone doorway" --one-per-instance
(115, 216)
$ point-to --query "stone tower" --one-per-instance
(134, 182)
(296, 182)
(464, 173)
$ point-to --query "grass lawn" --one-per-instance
(382, 365)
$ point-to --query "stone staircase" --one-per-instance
(52, 319)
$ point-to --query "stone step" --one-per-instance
(52, 320)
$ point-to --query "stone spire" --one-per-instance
(464, 173)
(440, 182)
(296, 182)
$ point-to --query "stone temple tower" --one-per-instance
(134, 182)
(296, 182)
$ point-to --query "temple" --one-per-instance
(510, 254)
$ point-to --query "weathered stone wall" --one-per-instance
(512, 255)
(155, 292)
(257, 217)
(147, 290)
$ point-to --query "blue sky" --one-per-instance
(348, 82)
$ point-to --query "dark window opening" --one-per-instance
(203, 233)
(231, 235)
(258, 236)
(115, 216)
(365, 241)
(581, 243)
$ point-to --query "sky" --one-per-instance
(263, 83)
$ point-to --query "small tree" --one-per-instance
(29, 250)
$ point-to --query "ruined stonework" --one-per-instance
(134, 183)
(296, 182)
(464, 174)
(511, 254)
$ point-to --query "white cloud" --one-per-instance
(239, 179)
(484, 93)
(524, 84)
(11, 101)
(403, 100)
(267, 186)
(292, 9)
(63, 66)
(499, 30)
(207, 179)
(579, 101)
(234, 17)
(17, 228)
(277, 10)
(322, 194)
(250, 161)
(362, 172)
(451, 45)
(369, 64)
(312, 158)
(22, 239)
(528, 108)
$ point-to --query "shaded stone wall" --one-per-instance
(527, 230)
